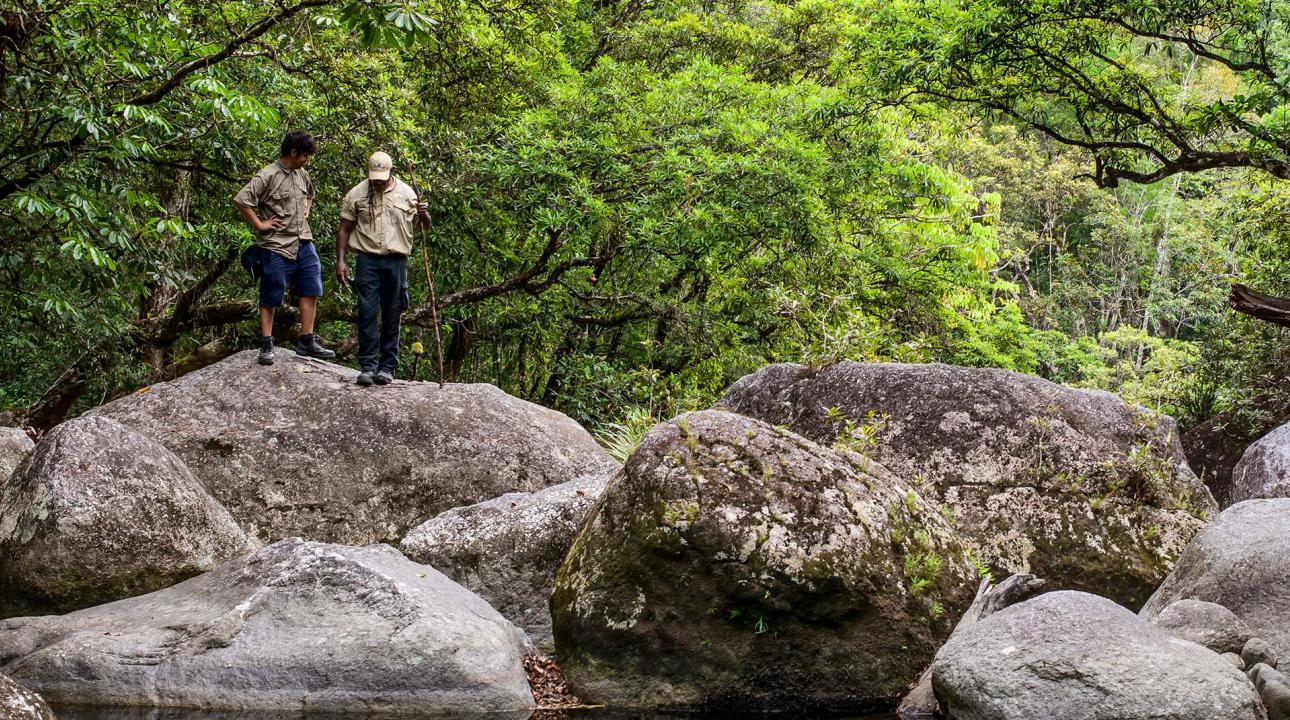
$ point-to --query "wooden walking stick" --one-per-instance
(425, 261)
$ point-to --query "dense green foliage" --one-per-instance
(636, 202)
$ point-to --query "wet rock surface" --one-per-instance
(297, 448)
(738, 566)
(296, 626)
(1067, 655)
(508, 549)
(1071, 485)
(99, 512)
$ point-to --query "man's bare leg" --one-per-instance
(266, 322)
(308, 308)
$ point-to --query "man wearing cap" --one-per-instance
(276, 205)
(376, 222)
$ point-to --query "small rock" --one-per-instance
(1274, 688)
(19, 703)
(1235, 659)
(1205, 623)
(1258, 650)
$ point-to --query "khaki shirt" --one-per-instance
(382, 222)
(288, 194)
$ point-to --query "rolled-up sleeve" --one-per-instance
(348, 209)
(253, 194)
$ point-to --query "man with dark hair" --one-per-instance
(376, 222)
(276, 205)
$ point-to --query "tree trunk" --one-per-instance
(1257, 305)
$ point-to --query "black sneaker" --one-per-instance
(365, 378)
(384, 377)
(309, 346)
(266, 350)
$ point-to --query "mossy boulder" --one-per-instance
(734, 565)
(1075, 486)
(99, 512)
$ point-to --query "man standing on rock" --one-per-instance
(376, 221)
(276, 205)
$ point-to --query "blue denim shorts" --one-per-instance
(305, 273)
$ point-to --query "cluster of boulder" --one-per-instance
(251, 538)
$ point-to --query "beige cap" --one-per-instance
(379, 166)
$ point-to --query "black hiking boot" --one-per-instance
(384, 377)
(309, 346)
(266, 350)
(365, 378)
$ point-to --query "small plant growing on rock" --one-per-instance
(859, 437)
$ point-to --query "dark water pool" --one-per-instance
(116, 713)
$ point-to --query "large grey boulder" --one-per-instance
(1074, 486)
(297, 448)
(508, 549)
(734, 565)
(1264, 469)
(296, 626)
(99, 512)
(14, 446)
(19, 703)
(1242, 562)
(1071, 655)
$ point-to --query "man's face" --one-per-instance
(379, 185)
(295, 160)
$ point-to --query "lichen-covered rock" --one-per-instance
(296, 626)
(1264, 469)
(508, 549)
(1072, 485)
(734, 565)
(14, 446)
(1242, 562)
(19, 703)
(1204, 623)
(99, 512)
(297, 448)
(1067, 655)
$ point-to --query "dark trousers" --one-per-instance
(381, 284)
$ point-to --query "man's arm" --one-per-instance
(247, 199)
(342, 247)
(255, 222)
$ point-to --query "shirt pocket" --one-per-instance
(281, 203)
